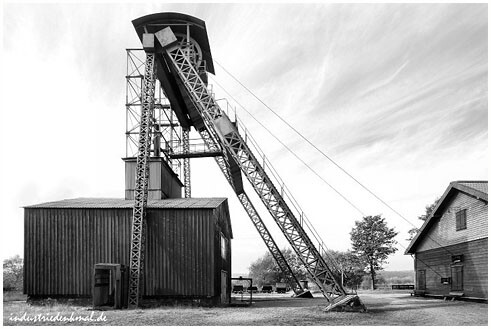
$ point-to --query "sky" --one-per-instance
(396, 94)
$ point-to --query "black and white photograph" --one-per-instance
(244, 164)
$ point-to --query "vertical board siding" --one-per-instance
(444, 233)
(182, 252)
(162, 181)
(179, 253)
(178, 257)
(437, 263)
(222, 225)
(62, 245)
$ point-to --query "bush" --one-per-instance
(13, 273)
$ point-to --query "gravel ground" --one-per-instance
(392, 309)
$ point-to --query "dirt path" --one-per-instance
(383, 309)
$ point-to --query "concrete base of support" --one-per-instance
(303, 294)
(347, 303)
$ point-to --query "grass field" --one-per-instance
(384, 308)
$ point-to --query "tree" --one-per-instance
(347, 268)
(13, 273)
(429, 209)
(265, 270)
(295, 264)
(373, 241)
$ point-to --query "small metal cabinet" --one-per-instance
(110, 287)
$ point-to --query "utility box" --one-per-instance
(110, 285)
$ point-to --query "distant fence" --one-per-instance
(403, 286)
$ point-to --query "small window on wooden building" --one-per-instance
(461, 219)
(223, 246)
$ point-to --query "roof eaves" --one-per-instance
(420, 232)
(111, 203)
(453, 185)
(423, 228)
(467, 189)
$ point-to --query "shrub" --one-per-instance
(13, 273)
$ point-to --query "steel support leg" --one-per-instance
(141, 184)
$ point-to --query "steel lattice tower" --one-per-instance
(184, 74)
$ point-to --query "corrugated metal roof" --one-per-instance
(481, 186)
(181, 203)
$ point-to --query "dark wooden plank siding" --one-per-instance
(62, 246)
(438, 262)
(182, 257)
(222, 223)
(179, 253)
(162, 181)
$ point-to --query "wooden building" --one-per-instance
(187, 249)
(451, 248)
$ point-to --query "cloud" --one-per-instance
(397, 94)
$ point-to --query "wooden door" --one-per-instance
(421, 280)
(457, 278)
(223, 290)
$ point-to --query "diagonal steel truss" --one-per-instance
(273, 248)
(231, 140)
(268, 240)
(141, 184)
(283, 216)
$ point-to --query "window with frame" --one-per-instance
(461, 220)
(223, 246)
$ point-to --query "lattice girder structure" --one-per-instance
(285, 219)
(187, 165)
(135, 68)
(231, 140)
(269, 241)
(264, 233)
(141, 184)
(165, 129)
